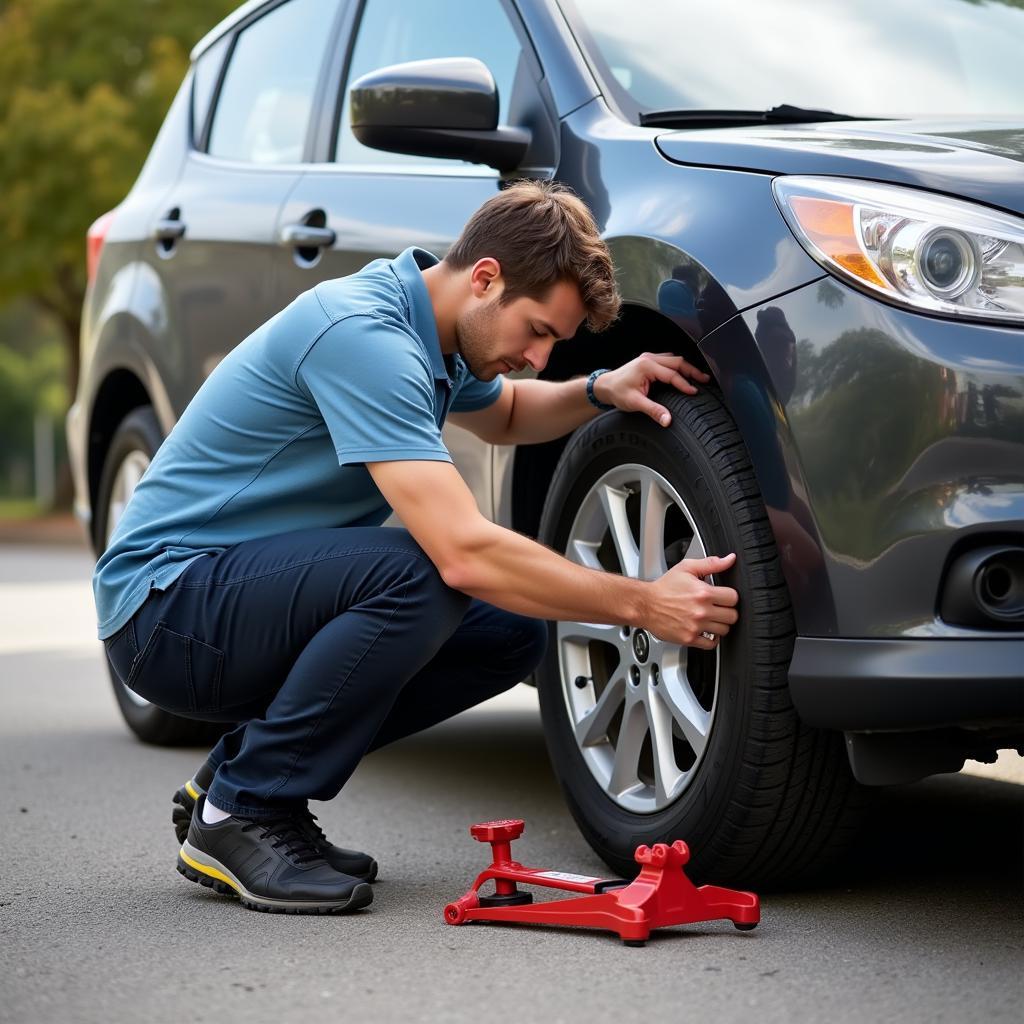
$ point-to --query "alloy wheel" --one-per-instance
(641, 709)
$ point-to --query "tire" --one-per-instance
(760, 798)
(131, 450)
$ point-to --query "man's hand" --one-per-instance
(684, 607)
(627, 387)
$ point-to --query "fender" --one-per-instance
(133, 338)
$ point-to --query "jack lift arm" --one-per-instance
(661, 895)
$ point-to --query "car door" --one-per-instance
(365, 203)
(214, 235)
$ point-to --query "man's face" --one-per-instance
(495, 339)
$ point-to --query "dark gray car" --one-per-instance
(821, 205)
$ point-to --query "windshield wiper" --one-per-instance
(782, 114)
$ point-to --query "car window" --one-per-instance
(396, 31)
(204, 81)
(265, 103)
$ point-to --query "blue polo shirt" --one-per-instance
(276, 437)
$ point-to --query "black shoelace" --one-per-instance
(287, 834)
(313, 830)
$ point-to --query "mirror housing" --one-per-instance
(446, 107)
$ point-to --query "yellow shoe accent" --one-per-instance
(191, 790)
(206, 870)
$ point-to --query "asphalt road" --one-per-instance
(924, 923)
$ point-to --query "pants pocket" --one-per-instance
(122, 650)
(177, 672)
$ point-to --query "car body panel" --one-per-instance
(566, 73)
(903, 433)
(669, 221)
(981, 160)
(879, 686)
(216, 281)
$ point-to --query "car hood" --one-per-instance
(981, 159)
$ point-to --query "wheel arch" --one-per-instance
(638, 329)
(120, 393)
(125, 370)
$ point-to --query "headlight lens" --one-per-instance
(923, 251)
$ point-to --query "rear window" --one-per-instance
(264, 108)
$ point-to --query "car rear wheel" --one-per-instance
(653, 741)
(131, 451)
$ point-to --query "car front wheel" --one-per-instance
(653, 741)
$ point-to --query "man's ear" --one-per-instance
(485, 276)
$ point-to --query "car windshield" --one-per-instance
(870, 58)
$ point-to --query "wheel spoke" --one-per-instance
(594, 724)
(683, 706)
(133, 469)
(129, 474)
(140, 471)
(666, 771)
(613, 501)
(695, 549)
(654, 503)
(584, 553)
(584, 632)
(625, 769)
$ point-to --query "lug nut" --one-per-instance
(634, 675)
(655, 675)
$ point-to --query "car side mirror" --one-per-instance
(447, 107)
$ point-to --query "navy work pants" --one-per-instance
(323, 644)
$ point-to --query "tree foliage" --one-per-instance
(83, 89)
(32, 383)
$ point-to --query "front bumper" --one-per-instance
(904, 685)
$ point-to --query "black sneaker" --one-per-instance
(269, 864)
(349, 862)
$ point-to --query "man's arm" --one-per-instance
(513, 572)
(532, 411)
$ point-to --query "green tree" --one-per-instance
(31, 384)
(83, 89)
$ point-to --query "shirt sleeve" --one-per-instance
(475, 394)
(372, 384)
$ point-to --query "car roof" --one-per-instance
(226, 25)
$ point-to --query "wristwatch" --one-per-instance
(591, 397)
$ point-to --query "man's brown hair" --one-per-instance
(542, 233)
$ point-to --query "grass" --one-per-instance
(20, 508)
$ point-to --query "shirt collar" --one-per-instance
(406, 267)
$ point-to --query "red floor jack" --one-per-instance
(661, 895)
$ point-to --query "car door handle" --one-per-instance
(304, 236)
(168, 230)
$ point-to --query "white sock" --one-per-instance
(212, 814)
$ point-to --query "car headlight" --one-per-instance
(920, 250)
